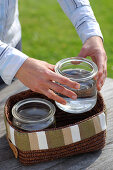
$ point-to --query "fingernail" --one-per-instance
(64, 103)
(77, 86)
(74, 97)
(99, 87)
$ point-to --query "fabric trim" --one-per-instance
(57, 137)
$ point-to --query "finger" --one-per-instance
(94, 60)
(62, 90)
(50, 94)
(100, 80)
(101, 77)
(52, 67)
(104, 73)
(95, 78)
(100, 71)
(83, 53)
(105, 70)
(101, 68)
(64, 80)
(77, 62)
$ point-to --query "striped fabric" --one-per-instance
(57, 137)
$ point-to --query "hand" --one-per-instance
(93, 47)
(40, 77)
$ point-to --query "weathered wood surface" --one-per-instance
(100, 160)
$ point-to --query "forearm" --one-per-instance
(81, 15)
(10, 61)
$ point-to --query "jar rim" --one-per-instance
(79, 59)
(23, 119)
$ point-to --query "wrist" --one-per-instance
(22, 67)
(95, 38)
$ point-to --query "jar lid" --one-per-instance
(33, 110)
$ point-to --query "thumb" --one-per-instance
(83, 53)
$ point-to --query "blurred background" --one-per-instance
(47, 33)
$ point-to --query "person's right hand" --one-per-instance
(94, 48)
(40, 77)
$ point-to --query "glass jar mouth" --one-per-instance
(49, 109)
(77, 61)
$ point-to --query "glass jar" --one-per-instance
(33, 114)
(82, 71)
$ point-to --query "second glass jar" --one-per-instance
(82, 71)
(33, 114)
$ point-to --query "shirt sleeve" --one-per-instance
(11, 60)
(81, 15)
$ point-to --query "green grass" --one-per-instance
(47, 33)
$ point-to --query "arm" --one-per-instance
(37, 75)
(82, 17)
(11, 60)
(84, 21)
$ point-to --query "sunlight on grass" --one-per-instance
(47, 33)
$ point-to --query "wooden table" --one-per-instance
(99, 160)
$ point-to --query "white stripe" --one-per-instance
(102, 120)
(75, 133)
(42, 140)
(12, 135)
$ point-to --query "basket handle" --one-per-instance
(14, 149)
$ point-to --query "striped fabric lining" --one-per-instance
(59, 137)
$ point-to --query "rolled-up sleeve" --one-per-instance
(11, 60)
(81, 15)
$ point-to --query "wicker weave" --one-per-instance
(63, 119)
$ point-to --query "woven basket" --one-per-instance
(74, 134)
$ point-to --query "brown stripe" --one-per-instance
(87, 129)
(97, 125)
(34, 145)
(54, 138)
(22, 141)
(5, 121)
(8, 130)
(67, 136)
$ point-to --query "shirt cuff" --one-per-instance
(89, 29)
(11, 61)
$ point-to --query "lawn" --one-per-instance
(47, 33)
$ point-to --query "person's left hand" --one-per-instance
(93, 47)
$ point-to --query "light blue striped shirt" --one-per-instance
(81, 15)
(78, 11)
